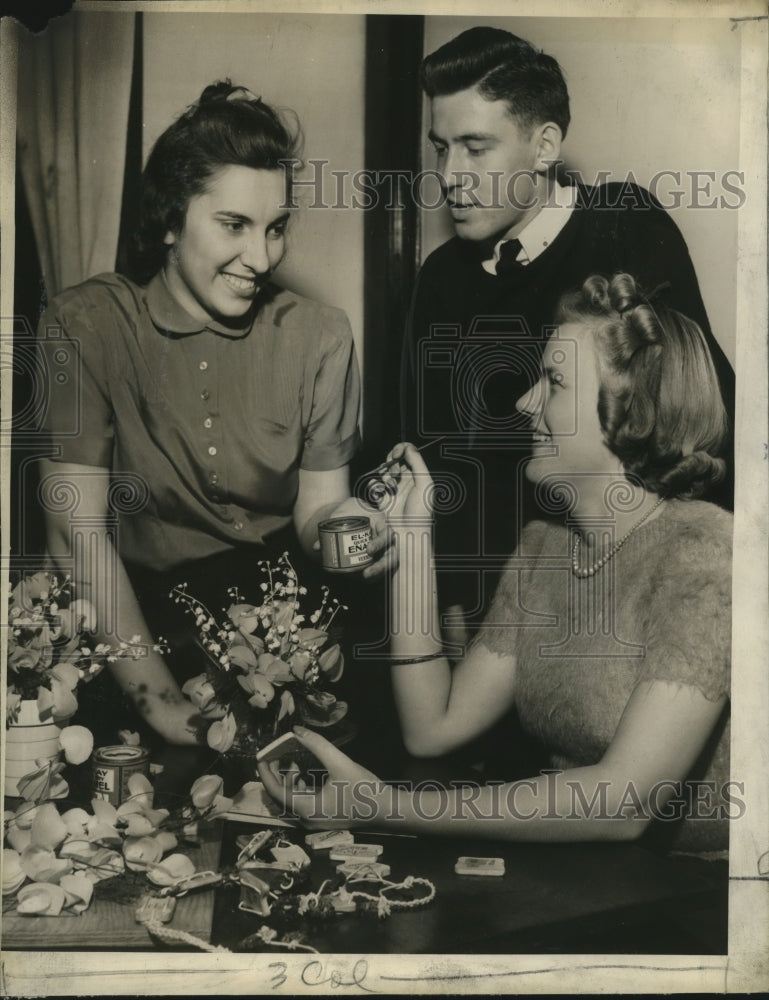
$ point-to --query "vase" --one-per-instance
(28, 740)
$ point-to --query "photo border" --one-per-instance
(746, 967)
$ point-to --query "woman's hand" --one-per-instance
(350, 795)
(410, 486)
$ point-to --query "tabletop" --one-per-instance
(561, 898)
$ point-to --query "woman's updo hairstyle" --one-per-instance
(226, 126)
(659, 401)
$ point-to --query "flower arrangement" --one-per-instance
(49, 651)
(265, 667)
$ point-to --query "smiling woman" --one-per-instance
(216, 412)
(610, 634)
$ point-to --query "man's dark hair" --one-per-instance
(504, 68)
(227, 126)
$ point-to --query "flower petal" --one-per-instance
(79, 850)
(67, 674)
(44, 782)
(45, 703)
(77, 744)
(331, 662)
(24, 815)
(141, 790)
(166, 839)
(48, 828)
(141, 853)
(18, 838)
(64, 700)
(76, 821)
(287, 705)
(174, 868)
(104, 834)
(104, 811)
(79, 890)
(137, 825)
(205, 790)
(244, 617)
(13, 875)
(105, 864)
(242, 656)
(312, 637)
(43, 899)
(42, 865)
(221, 734)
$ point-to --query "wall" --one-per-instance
(311, 64)
(646, 95)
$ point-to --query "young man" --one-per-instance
(484, 300)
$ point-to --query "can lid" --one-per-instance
(120, 753)
(344, 524)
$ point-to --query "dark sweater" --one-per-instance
(472, 348)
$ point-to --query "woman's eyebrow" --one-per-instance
(235, 216)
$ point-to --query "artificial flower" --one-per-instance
(205, 790)
(259, 690)
(79, 890)
(48, 829)
(42, 899)
(221, 734)
(44, 782)
(77, 744)
(13, 874)
(200, 691)
(174, 868)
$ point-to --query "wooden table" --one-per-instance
(579, 898)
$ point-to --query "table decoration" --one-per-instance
(266, 663)
(50, 654)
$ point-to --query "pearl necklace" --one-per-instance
(600, 563)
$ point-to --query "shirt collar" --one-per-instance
(169, 317)
(538, 234)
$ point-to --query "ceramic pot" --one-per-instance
(28, 740)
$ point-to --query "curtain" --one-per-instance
(74, 83)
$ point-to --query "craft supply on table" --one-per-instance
(290, 854)
(250, 846)
(152, 908)
(351, 852)
(328, 838)
(480, 866)
(344, 544)
(113, 766)
(360, 870)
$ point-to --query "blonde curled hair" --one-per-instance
(659, 401)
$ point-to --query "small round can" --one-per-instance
(344, 543)
(113, 766)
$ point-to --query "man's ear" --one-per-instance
(169, 239)
(547, 150)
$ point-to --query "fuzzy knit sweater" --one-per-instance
(659, 610)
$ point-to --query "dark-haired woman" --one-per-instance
(610, 634)
(214, 410)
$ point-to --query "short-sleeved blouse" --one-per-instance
(204, 428)
(659, 610)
